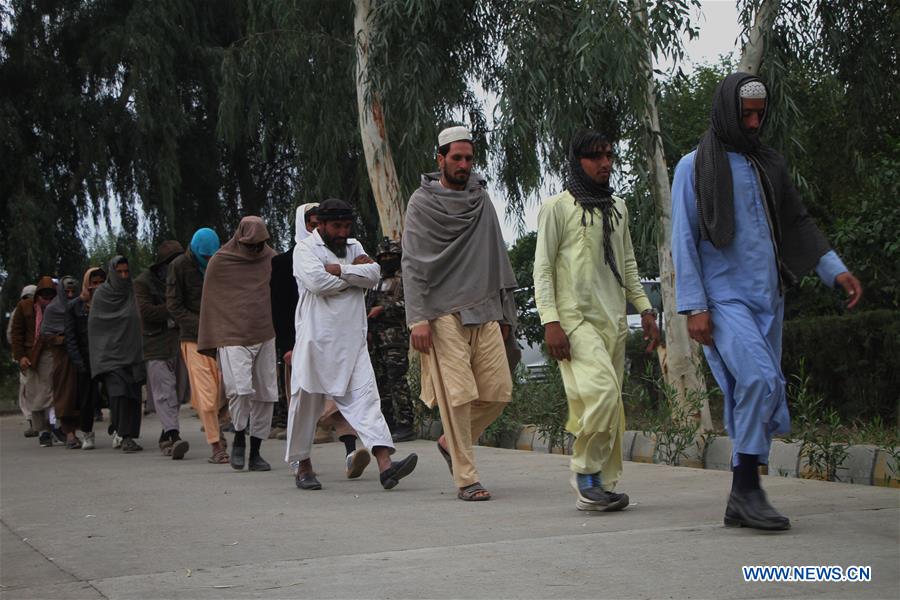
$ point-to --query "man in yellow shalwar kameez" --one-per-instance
(584, 272)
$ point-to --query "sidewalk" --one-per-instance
(101, 524)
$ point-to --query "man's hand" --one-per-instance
(420, 337)
(557, 341)
(700, 328)
(288, 356)
(333, 269)
(851, 286)
(504, 330)
(651, 331)
(375, 312)
(24, 363)
(362, 259)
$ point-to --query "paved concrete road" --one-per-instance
(101, 524)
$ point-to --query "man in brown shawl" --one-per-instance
(236, 325)
(34, 362)
(27, 293)
(65, 378)
(116, 353)
(459, 303)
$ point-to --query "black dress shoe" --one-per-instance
(398, 470)
(237, 457)
(307, 481)
(258, 463)
(752, 509)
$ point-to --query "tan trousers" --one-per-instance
(203, 373)
(467, 375)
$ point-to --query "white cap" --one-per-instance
(753, 90)
(454, 134)
(28, 291)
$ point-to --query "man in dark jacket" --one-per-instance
(160, 339)
(78, 349)
(184, 291)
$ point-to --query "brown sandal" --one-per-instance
(219, 456)
(474, 493)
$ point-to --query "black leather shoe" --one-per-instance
(237, 457)
(307, 481)
(752, 509)
(257, 463)
(398, 470)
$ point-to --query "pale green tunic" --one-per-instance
(574, 286)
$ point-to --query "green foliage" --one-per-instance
(850, 361)
(817, 427)
(542, 404)
(521, 256)
(139, 252)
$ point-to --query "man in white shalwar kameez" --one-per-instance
(330, 357)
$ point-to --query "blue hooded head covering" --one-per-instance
(203, 245)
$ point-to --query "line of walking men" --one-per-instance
(740, 238)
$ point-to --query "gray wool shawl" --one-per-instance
(54, 319)
(799, 243)
(454, 257)
(114, 327)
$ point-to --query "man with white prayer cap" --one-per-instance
(740, 237)
(459, 286)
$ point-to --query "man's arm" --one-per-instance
(186, 319)
(311, 272)
(689, 289)
(549, 235)
(364, 272)
(151, 314)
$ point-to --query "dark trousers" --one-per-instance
(126, 415)
(88, 401)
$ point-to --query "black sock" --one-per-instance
(239, 439)
(349, 443)
(254, 446)
(173, 435)
(745, 476)
(163, 436)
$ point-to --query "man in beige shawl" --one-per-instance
(459, 305)
(236, 326)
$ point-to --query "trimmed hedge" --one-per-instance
(853, 361)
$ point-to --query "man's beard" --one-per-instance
(460, 179)
(336, 245)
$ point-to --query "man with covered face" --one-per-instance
(740, 237)
(458, 285)
(584, 273)
(34, 362)
(78, 348)
(389, 342)
(330, 356)
(236, 327)
(160, 337)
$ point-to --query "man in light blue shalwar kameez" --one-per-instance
(739, 236)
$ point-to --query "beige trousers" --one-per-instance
(467, 375)
(203, 373)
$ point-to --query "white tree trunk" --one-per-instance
(681, 359)
(752, 53)
(379, 160)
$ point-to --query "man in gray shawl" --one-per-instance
(116, 352)
(459, 303)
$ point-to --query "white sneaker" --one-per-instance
(117, 440)
(88, 442)
(357, 461)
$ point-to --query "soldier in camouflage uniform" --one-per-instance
(389, 343)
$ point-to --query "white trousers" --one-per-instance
(361, 408)
(251, 385)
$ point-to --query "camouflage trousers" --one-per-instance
(390, 360)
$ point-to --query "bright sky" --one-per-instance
(719, 30)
